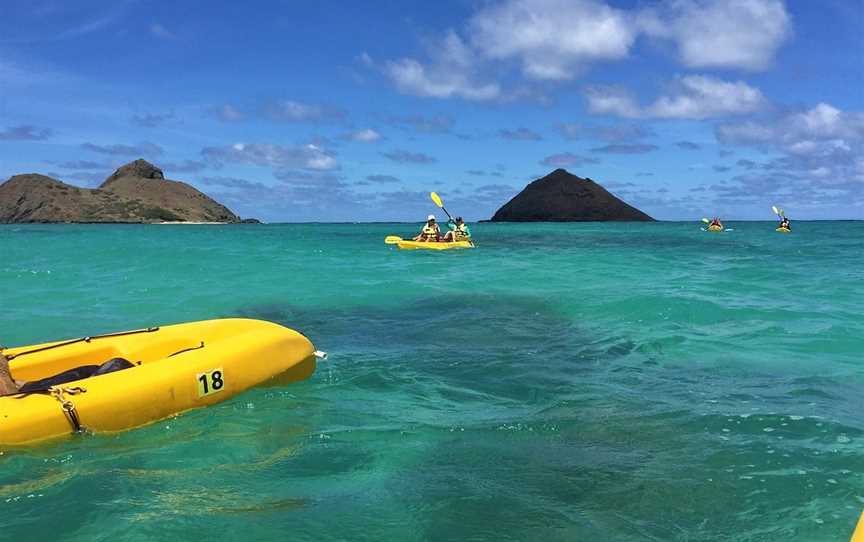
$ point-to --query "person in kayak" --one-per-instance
(7, 385)
(430, 233)
(716, 222)
(785, 223)
(458, 231)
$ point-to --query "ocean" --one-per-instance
(593, 381)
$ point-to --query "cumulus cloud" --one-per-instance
(566, 159)
(407, 157)
(624, 148)
(367, 135)
(557, 40)
(742, 34)
(818, 155)
(691, 97)
(141, 149)
(277, 156)
(450, 73)
(25, 132)
(519, 134)
(552, 39)
(294, 111)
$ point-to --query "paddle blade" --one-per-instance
(392, 239)
(437, 199)
(705, 220)
(774, 208)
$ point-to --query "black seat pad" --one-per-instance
(78, 373)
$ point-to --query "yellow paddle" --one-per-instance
(392, 239)
(778, 212)
(437, 199)
(705, 220)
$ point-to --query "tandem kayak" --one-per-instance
(407, 244)
(715, 228)
(420, 245)
(783, 230)
(163, 371)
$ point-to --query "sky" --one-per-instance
(354, 111)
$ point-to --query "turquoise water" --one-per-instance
(560, 382)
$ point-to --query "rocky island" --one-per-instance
(564, 197)
(137, 192)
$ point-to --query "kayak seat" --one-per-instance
(78, 373)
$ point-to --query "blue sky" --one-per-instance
(344, 111)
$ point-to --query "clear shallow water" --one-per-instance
(561, 382)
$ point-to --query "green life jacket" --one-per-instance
(461, 233)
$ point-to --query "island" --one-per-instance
(563, 197)
(137, 192)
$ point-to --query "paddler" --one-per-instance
(458, 230)
(785, 223)
(431, 232)
(716, 223)
(7, 385)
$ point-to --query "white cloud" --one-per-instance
(692, 97)
(722, 33)
(552, 39)
(612, 100)
(451, 73)
(557, 40)
(308, 156)
(700, 97)
(367, 135)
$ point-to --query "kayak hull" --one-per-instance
(173, 373)
(715, 228)
(783, 230)
(420, 245)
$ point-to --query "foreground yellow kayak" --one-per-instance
(783, 230)
(173, 369)
(715, 228)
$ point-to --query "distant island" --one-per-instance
(137, 192)
(564, 197)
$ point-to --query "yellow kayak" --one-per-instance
(715, 228)
(408, 244)
(783, 230)
(420, 245)
(173, 369)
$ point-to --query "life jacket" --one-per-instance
(429, 233)
(461, 233)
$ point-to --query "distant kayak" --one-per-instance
(715, 228)
(783, 230)
(425, 245)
